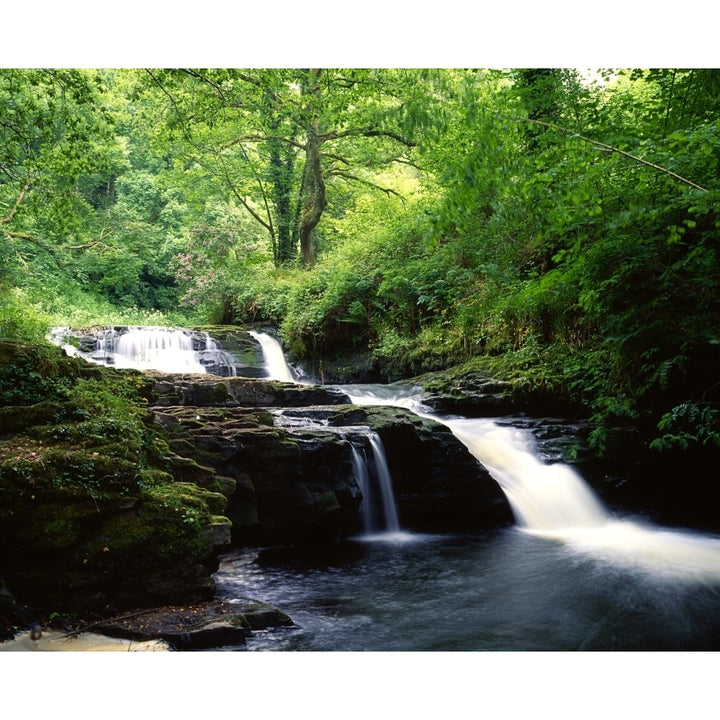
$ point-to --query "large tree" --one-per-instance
(284, 141)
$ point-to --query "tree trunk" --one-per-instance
(313, 199)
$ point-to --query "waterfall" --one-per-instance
(392, 523)
(276, 367)
(362, 477)
(549, 501)
(378, 508)
(172, 350)
(164, 349)
(543, 497)
(554, 502)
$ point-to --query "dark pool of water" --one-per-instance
(504, 591)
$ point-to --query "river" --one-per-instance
(568, 575)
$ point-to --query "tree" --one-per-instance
(283, 141)
(53, 130)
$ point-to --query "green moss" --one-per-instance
(87, 499)
(54, 527)
(168, 525)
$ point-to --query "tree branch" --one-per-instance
(612, 148)
(362, 181)
(11, 215)
(259, 139)
(368, 132)
(40, 243)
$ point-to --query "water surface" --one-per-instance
(509, 590)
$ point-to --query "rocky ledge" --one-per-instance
(122, 488)
(196, 627)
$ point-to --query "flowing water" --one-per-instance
(489, 591)
(171, 350)
(276, 366)
(377, 508)
(568, 576)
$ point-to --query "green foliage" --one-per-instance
(686, 425)
(90, 422)
(221, 252)
(20, 319)
(30, 374)
(563, 231)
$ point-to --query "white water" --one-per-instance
(379, 513)
(171, 350)
(392, 524)
(550, 501)
(557, 498)
(164, 349)
(362, 477)
(276, 366)
(555, 502)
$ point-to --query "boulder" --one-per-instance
(198, 626)
(439, 485)
(282, 487)
(89, 518)
(212, 391)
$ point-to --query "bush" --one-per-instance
(20, 319)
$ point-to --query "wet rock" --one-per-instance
(471, 395)
(211, 391)
(199, 626)
(286, 487)
(246, 351)
(439, 485)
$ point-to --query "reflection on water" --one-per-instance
(507, 591)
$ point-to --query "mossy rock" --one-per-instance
(90, 514)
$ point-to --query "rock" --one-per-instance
(211, 391)
(86, 519)
(198, 626)
(286, 487)
(295, 483)
(475, 393)
(246, 351)
(472, 395)
(439, 485)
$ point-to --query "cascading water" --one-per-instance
(276, 367)
(568, 576)
(550, 501)
(167, 350)
(543, 497)
(172, 350)
(392, 524)
(362, 477)
(378, 508)
(553, 501)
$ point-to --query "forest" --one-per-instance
(556, 227)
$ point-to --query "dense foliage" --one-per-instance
(558, 228)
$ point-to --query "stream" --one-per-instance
(569, 575)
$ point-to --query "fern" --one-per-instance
(686, 425)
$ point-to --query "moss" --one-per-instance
(88, 504)
(32, 373)
(54, 527)
(168, 524)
